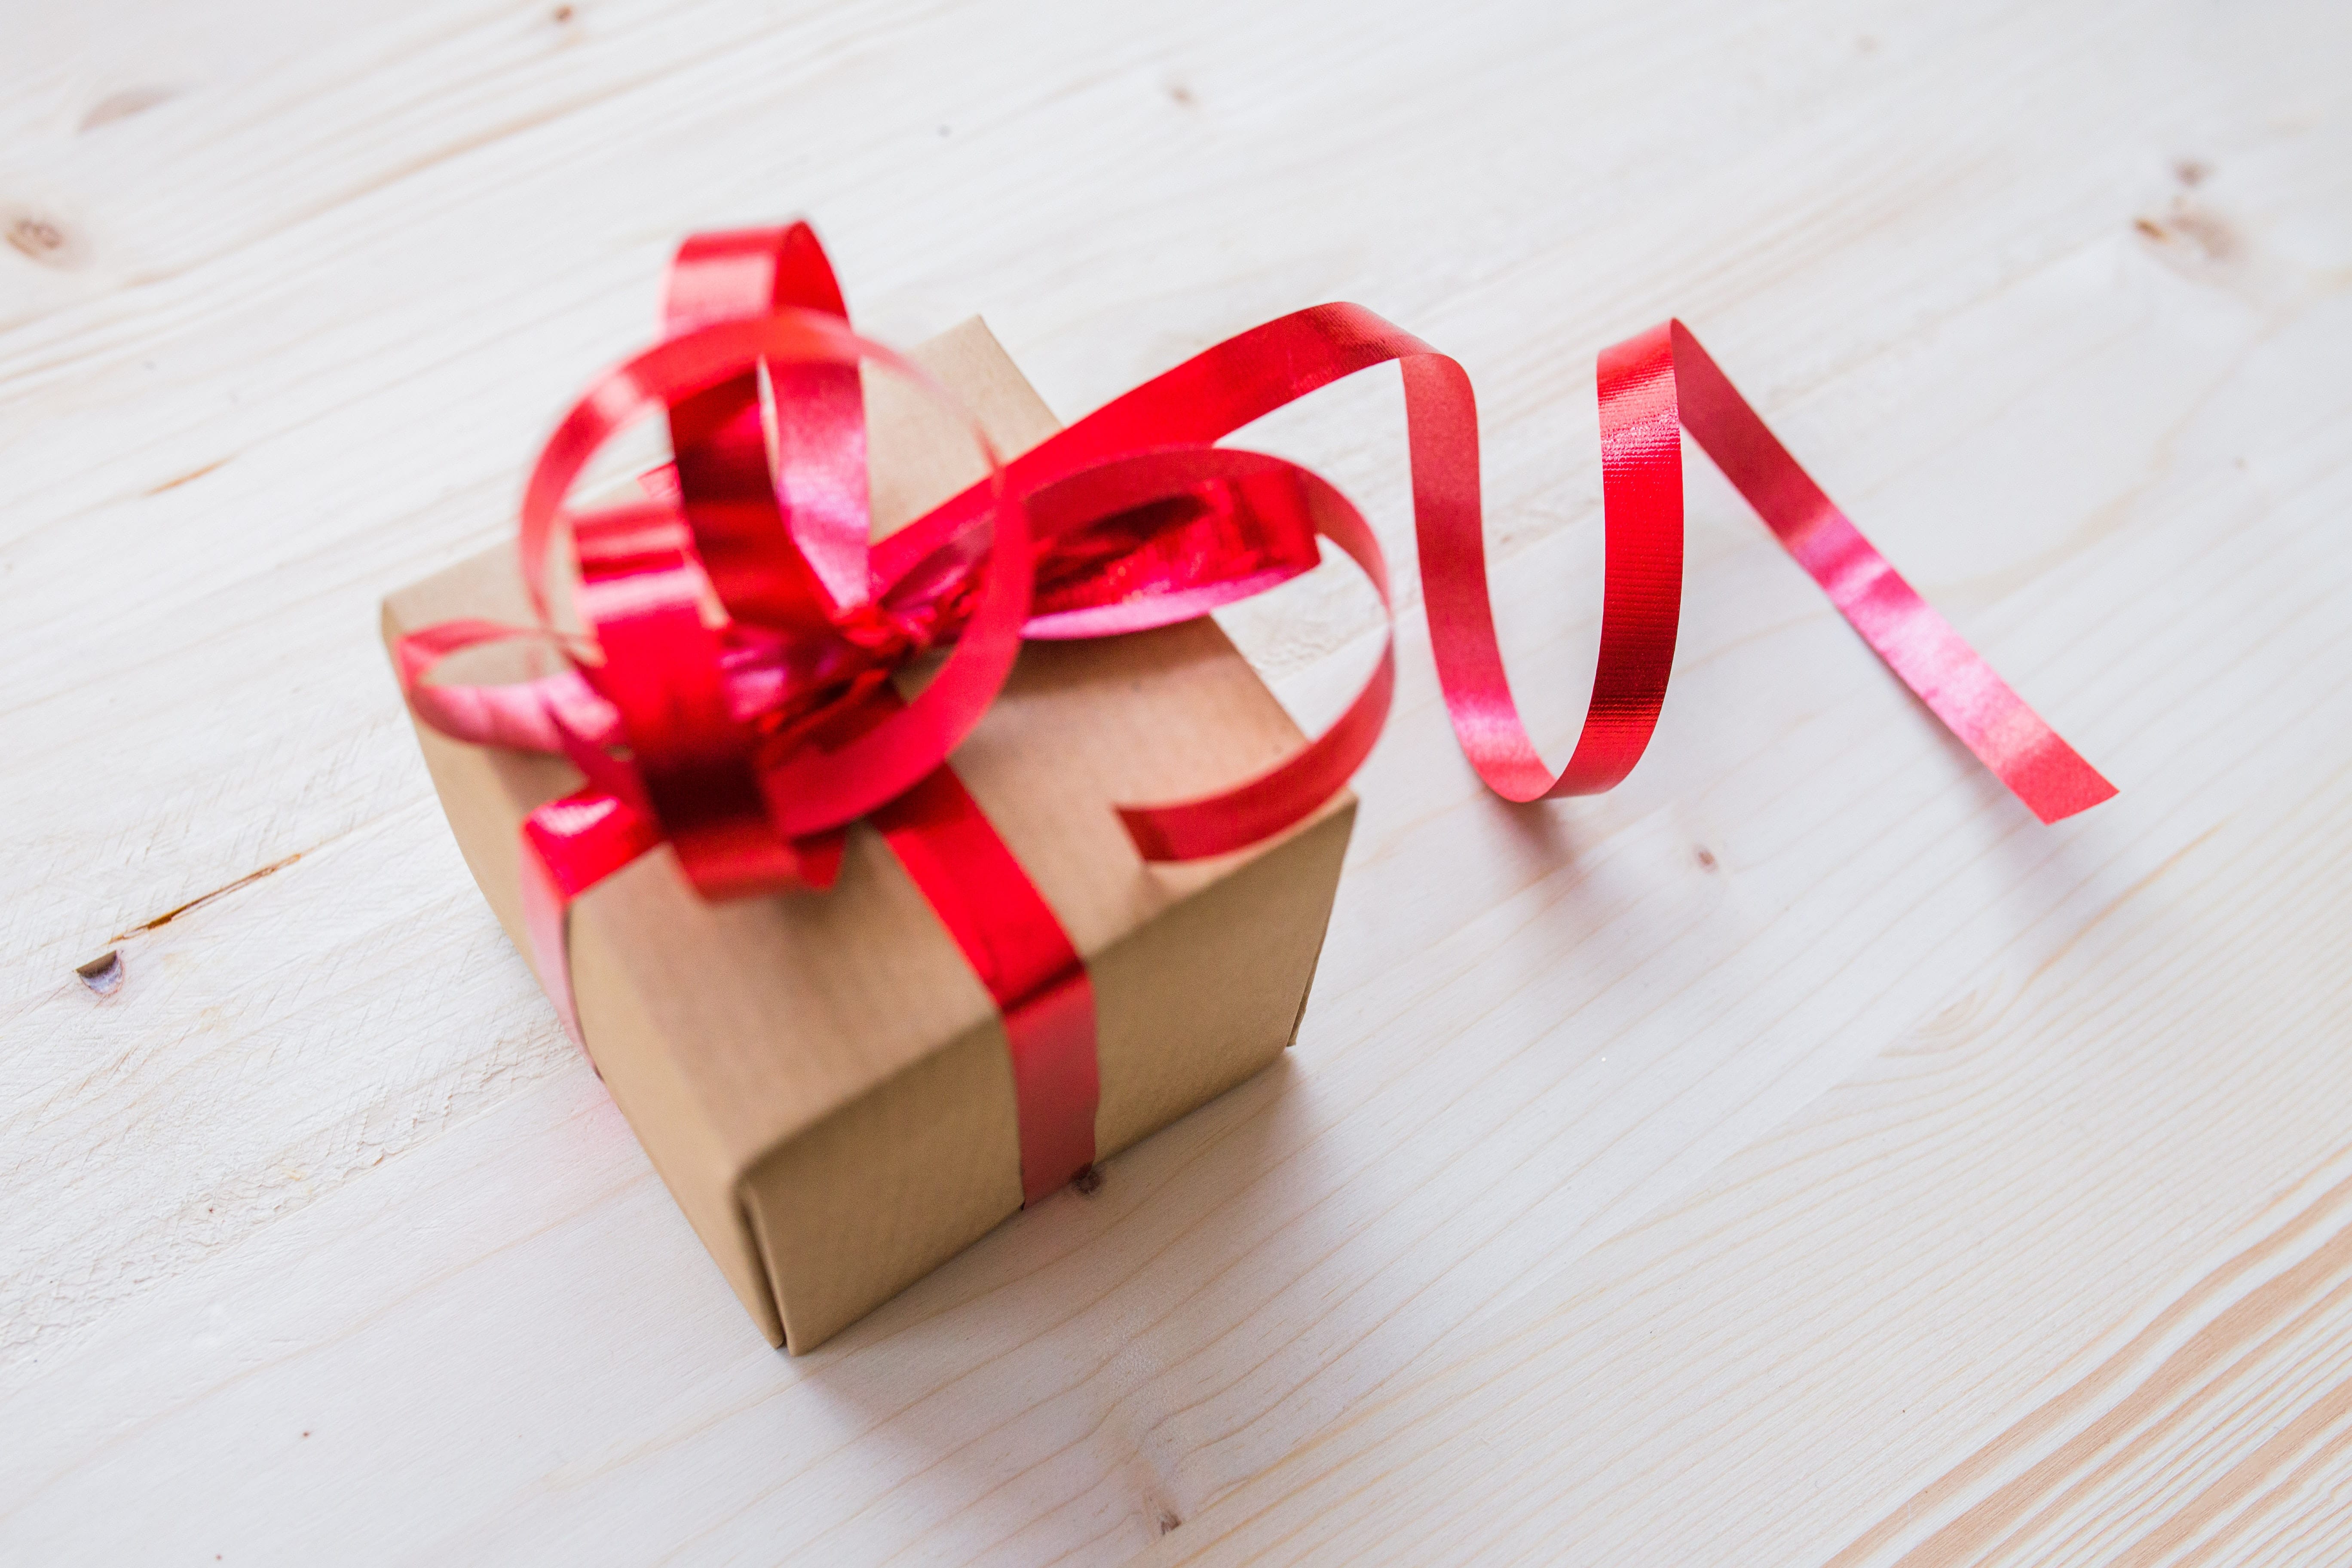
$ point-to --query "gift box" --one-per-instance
(821, 1078)
(828, 840)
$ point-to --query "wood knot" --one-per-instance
(2190, 232)
(40, 238)
(104, 973)
(1087, 1182)
(124, 104)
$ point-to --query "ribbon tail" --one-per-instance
(1641, 578)
(1904, 629)
(1652, 387)
(1918, 644)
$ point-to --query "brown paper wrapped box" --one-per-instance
(819, 1077)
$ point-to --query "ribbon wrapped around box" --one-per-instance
(860, 1004)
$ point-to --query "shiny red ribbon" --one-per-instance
(734, 694)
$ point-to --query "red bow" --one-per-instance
(743, 633)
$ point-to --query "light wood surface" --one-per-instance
(1796, 1156)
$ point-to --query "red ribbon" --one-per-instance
(734, 696)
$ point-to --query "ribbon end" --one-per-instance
(2063, 787)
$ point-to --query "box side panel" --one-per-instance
(664, 1112)
(485, 793)
(783, 1011)
(885, 1190)
(1210, 991)
(854, 1210)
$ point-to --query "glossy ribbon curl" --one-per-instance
(734, 694)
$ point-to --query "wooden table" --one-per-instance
(1799, 1155)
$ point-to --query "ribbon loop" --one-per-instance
(773, 486)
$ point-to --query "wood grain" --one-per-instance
(1798, 1155)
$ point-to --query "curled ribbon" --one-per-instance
(733, 695)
